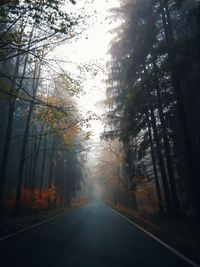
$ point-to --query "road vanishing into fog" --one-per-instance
(90, 236)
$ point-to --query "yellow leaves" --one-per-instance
(70, 134)
(52, 109)
(58, 119)
(53, 100)
(59, 113)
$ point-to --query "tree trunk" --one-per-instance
(161, 164)
(185, 129)
(158, 190)
(170, 169)
(24, 144)
(22, 161)
(8, 134)
(37, 146)
(52, 162)
(51, 169)
(12, 100)
(43, 166)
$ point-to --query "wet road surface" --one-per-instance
(90, 236)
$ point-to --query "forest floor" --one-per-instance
(181, 234)
(12, 224)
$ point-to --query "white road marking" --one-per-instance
(186, 259)
(37, 224)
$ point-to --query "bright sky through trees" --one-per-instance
(91, 46)
(99, 99)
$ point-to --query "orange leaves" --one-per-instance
(48, 114)
(34, 199)
(69, 134)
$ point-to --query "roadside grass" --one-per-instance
(182, 234)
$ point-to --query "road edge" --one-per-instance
(39, 223)
(179, 254)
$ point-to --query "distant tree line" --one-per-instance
(154, 97)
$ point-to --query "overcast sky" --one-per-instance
(91, 45)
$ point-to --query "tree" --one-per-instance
(150, 112)
(22, 47)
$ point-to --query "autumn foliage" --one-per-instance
(35, 200)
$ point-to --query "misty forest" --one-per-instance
(99, 133)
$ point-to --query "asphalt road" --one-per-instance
(91, 236)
